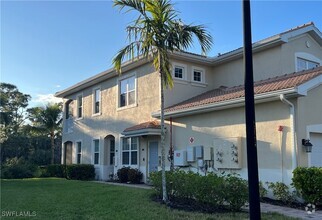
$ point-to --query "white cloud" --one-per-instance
(44, 99)
(57, 86)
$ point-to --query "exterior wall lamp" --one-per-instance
(308, 145)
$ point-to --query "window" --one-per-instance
(198, 75)
(69, 109)
(130, 151)
(96, 151)
(178, 72)
(79, 152)
(79, 106)
(303, 64)
(112, 151)
(96, 101)
(127, 91)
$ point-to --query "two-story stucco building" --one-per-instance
(111, 120)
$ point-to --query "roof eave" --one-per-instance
(233, 103)
(141, 132)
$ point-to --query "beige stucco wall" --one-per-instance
(309, 113)
(272, 144)
(269, 63)
(185, 89)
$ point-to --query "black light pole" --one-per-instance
(252, 164)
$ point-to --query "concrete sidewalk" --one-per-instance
(265, 207)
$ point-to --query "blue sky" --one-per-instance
(47, 46)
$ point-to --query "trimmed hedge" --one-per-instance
(308, 182)
(18, 168)
(216, 191)
(80, 172)
(55, 170)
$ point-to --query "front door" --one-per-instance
(153, 156)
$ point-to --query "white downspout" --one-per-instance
(292, 125)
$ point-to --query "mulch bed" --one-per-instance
(294, 205)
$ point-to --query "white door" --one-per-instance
(316, 155)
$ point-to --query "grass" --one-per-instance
(68, 199)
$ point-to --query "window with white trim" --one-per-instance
(79, 152)
(79, 106)
(303, 64)
(96, 151)
(127, 92)
(130, 151)
(97, 101)
(179, 72)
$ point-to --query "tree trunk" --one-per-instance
(164, 187)
(52, 141)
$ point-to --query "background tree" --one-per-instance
(47, 121)
(154, 34)
(12, 109)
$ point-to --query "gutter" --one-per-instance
(292, 125)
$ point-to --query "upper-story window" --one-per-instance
(198, 75)
(79, 106)
(127, 92)
(179, 72)
(97, 101)
(303, 64)
(130, 151)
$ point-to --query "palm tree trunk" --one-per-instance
(52, 141)
(164, 187)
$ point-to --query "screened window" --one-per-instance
(96, 151)
(97, 100)
(303, 64)
(79, 106)
(127, 91)
(79, 152)
(130, 151)
(112, 151)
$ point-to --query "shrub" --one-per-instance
(262, 190)
(235, 191)
(55, 170)
(134, 175)
(80, 172)
(214, 191)
(308, 182)
(122, 174)
(282, 192)
(127, 174)
(15, 168)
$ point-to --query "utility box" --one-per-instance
(228, 153)
(199, 152)
(191, 154)
(180, 158)
(208, 152)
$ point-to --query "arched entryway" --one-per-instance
(68, 152)
(109, 156)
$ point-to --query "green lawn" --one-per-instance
(67, 199)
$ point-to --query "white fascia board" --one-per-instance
(110, 73)
(148, 131)
(260, 98)
(307, 86)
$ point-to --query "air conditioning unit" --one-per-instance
(191, 154)
(180, 158)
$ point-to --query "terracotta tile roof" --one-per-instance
(145, 125)
(264, 86)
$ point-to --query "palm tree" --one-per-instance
(153, 35)
(47, 121)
